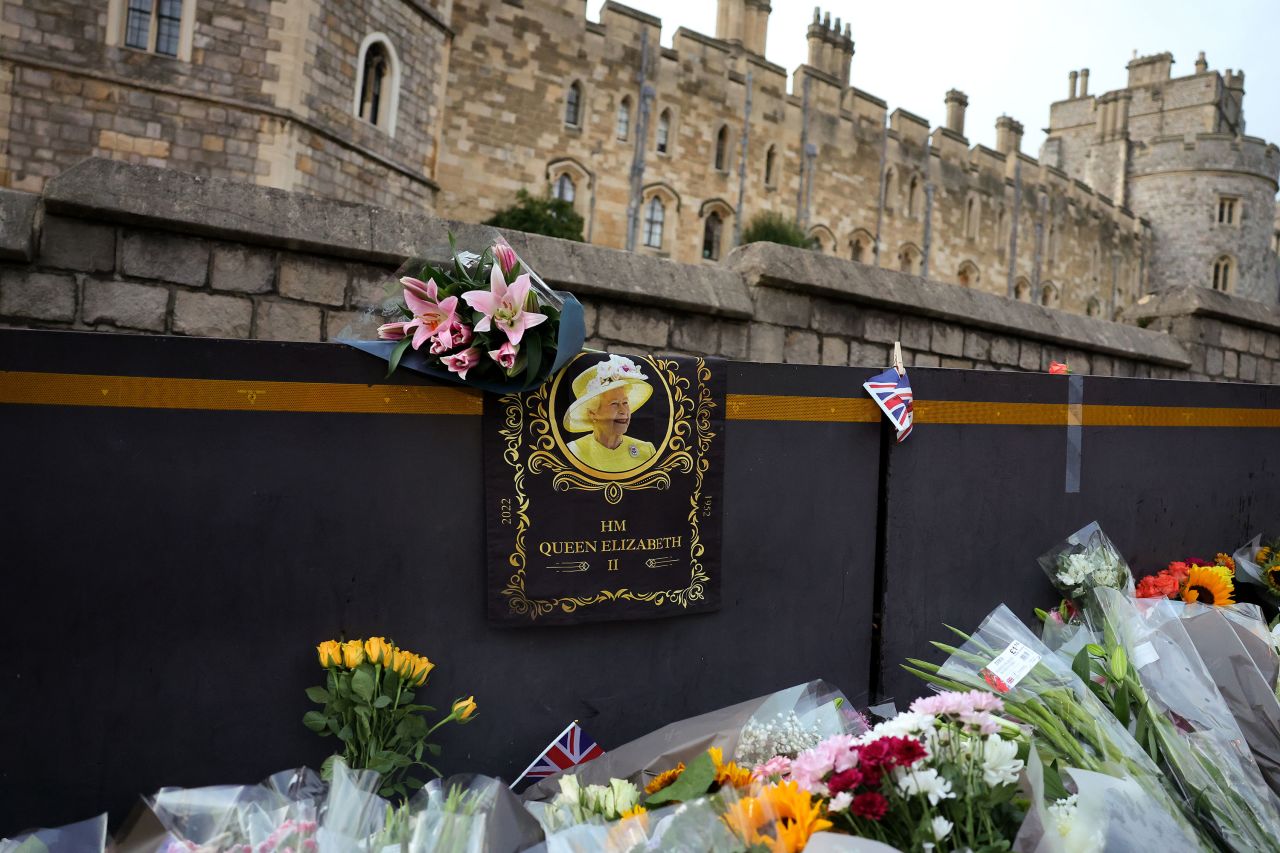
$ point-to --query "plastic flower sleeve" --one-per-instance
(218, 818)
(466, 813)
(1249, 571)
(86, 836)
(353, 812)
(1196, 732)
(1073, 728)
(1086, 561)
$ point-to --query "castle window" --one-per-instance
(890, 189)
(1022, 290)
(1049, 295)
(968, 274)
(971, 219)
(910, 260)
(860, 247)
(1224, 273)
(573, 105)
(664, 131)
(722, 148)
(1094, 308)
(1228, 211)
(711, 232)
(913, 196)
(770, 159)
(157, 26)
(563, 188)
(655, 215)
(378, 86)
(624, 119)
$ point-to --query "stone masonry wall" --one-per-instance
(122, 248)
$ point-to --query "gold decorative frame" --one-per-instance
(688, 443)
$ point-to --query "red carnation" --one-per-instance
(845, 780)
(875, 753)
(870, 805)
(1196, 561)
(906, 751)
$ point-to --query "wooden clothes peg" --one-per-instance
(897, 358)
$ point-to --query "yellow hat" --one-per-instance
(617, 371)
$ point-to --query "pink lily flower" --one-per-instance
(430, 312)
(505, 256)
(391, 331)
(449, 337)
(503, 306)
(461, 362)
(505, 355)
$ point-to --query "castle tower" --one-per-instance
(830, 49)
(743, 22)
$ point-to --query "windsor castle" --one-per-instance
(453, 106)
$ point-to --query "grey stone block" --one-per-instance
(977, 345)
(948, 339)
(313, 280)
(915, 333)
(1230, 364)
(835, 351)
(782, 308)
(37, 296)
(1248, 367)
(633, 325)
(1273, 346)
(766, 343)
(1257, 341)
(124, 303)
(1266, 371)
(167, 257)
(862, 354)
(336, 322)
(211, 315)
(1029, 355)
(1213, 361)
(372, 286)
(924, 359)
(17, 224)
(286, 321)
(75, 244)
(960, 363)
(836, 318)
(801, 347)
(734, 338)
(695, 334)
(242, 269)
(1235, 337)
(1004, 350)
(881, 327)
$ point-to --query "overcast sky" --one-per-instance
(1013, 57)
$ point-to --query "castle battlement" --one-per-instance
(1220, 152)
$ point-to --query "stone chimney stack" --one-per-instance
(1202, 65)
(956, 101)
(1072, 76)
(1008, 135)
(830, 47)
(1084, 82)
(743, 22)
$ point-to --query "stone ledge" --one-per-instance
(802, 270)
(1203, 302)
(17, 224)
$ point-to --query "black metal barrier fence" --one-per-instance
(185, 519)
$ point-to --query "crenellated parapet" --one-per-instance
(1208, 152)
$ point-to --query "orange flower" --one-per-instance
(796, 817)
(745, 817)
(729, 774)
(1227, 562)
(664, 779)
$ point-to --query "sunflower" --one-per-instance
(1263, 555)
(664, 779)
(729, 774)
(1208, 585)
(745, 817)
(796, 816)
(1271, 574)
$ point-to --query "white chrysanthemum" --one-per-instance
(1000, 762)
(840, 802)
(926, 782)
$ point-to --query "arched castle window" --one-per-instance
(822, 240)
(623, 129)
(971, 218)
(1049, 295)
(1228, 210)
(664, 132)
(913, 196)
(860, 247)
(1094, 308)
(1022, 289)
(890, 189)
(910, 259)
(712, 229)
(573, 105)
(968, 274)
(1224, 274)
(378, 87)
(770, 160)
(722, 148)
(163, 27)
(563, 188)
(655, 216)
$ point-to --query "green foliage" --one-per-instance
(770, 227)
(693, 783)
(552, 217)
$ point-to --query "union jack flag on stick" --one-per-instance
(892, 393)
(571, 747)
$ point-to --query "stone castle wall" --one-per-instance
(121, 248)
(262, 91)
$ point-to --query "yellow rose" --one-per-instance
(463, 709)
(330, 652)
(402, 662)
(421, 669)
(378, 650)
(352, 654)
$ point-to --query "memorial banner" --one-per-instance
(603, 492)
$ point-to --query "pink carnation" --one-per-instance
(779, 765)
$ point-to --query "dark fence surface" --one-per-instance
(168, 571)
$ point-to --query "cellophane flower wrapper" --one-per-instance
(86, 836)
(468, 813)
(224, 818)
(1203, 745)
(472, 256)
(1085, 561)
(1072, 728)
(353, 814)
(692, 827)
(1249, 571)
(816, 703)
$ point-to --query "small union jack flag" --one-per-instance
(571, 747)
(892, 394)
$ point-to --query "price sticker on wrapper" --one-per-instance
(1009, 667)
